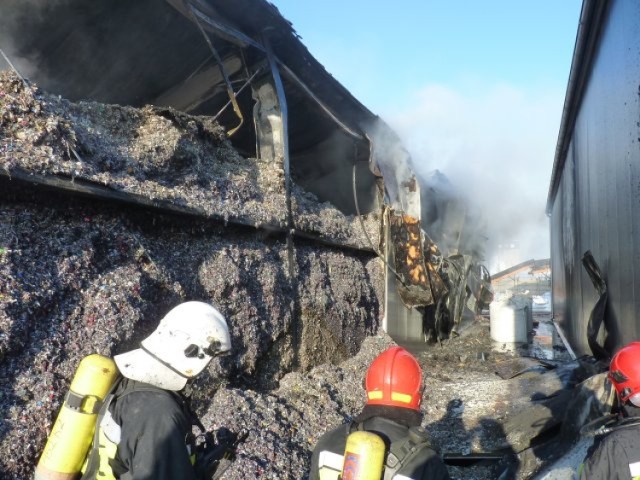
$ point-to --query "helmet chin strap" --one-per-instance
(170, 367)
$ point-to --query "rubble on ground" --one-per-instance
(82, 275)
(466, 404)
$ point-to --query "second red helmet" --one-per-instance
(624, 372)
(394, 379)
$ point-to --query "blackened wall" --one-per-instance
(597, 204)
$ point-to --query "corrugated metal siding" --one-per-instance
(599, 193)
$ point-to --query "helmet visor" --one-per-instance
(213, 349)
(635, 399)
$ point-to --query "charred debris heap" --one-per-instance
(228, 166)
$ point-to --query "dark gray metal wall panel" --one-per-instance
(558, 274)
(603, 168)
(404, 325)
(566, 257)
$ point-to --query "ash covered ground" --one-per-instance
(82, 275)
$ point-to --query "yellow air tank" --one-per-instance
(363, 456)
(71, 436)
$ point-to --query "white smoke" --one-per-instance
(13, 17)
(497, 146)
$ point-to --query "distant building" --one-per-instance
(532, 277)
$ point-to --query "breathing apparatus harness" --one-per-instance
(401, 451)
(607, 424)
(210, 454)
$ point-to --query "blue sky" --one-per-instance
(474, 88)
(408, 43)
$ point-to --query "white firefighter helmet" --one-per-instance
(184, 343)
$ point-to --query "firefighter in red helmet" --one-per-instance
(392, 411)
(616, 456)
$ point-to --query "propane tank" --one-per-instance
(72, 433)
(363, 456)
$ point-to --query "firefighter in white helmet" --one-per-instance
(144, 429)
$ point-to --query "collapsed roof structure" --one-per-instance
(253, 75)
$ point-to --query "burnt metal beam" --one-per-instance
(242, 40)
(223, 73)
(228, 32)
(244, 85)
(68, 185)
(345, 128)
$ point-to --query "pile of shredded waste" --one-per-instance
(159, 154)
(83, 274)
(79, 274)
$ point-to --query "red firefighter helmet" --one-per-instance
(394, 379)
(624, 372)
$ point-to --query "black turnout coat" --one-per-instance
(617, 455)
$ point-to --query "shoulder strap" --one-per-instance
(184, 404)
(402, 451)
(93, 457)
